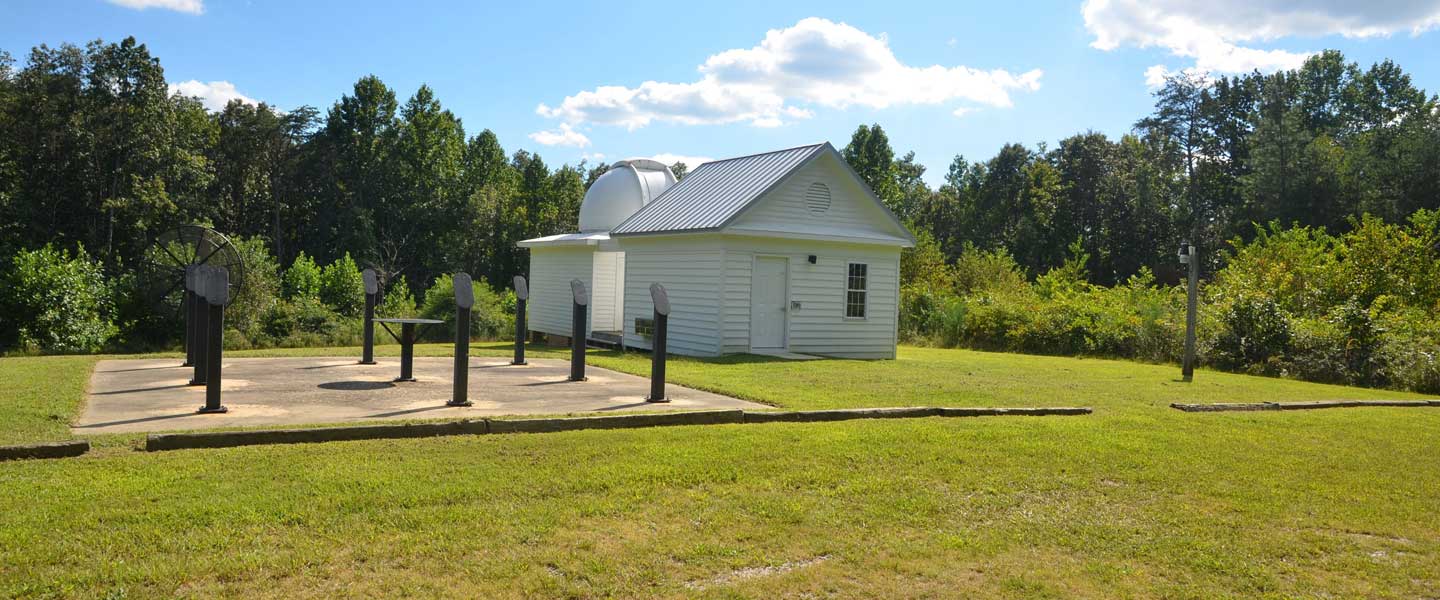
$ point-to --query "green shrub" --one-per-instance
(1410, 350)
(51, 301)
(302, 279)
(342, 287)
(140, 325)
(397, 300)
(261, 289)
(492, 317)
(1255, 334)
(1317, 352)
(949, 321)
(308, 322)
(995, 271)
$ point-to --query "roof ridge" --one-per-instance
(790, 149)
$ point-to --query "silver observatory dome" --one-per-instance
(627, 187)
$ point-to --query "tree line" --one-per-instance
(94, 152)
(97, 157)
(1318, 146)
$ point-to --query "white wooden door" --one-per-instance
(767, 303)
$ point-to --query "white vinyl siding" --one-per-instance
(735, 314)
(692, 270)
(551, 269)
(819, 326)
(790, 207)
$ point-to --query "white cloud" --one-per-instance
(564, 136)
(214, 95)
(815, 63)
(690, 161)
(1217, 34)
(193, 7)
(963, 110)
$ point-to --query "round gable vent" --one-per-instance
(817, 198)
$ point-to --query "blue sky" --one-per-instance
(569, 82)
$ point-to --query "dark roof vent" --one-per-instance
(817, 198)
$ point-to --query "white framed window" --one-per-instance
(856, 284)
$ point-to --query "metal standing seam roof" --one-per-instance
(715, 192)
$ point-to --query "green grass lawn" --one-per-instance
(1136, 500)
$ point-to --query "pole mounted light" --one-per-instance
(1190, 257)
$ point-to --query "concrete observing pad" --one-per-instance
(151, 394)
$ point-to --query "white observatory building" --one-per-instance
(786, 251)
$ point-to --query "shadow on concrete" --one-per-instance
(147, 369)
(409, 411)
(138, 390)
(624, 406)
(129, 421)
(535, 383)
(356, 386)
(349, 364)
(496, 366)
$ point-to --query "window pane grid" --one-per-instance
(855, 290)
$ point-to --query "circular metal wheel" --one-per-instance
(162, 268)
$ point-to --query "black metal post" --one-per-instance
(198, 314)
(522, 294)
(462, 358)
(577, 343)
(213, 287)
(188, 310)
(661, 302)
(214, 340)
(367, 355)
(657, 360)
(407, 352)
(519, 332)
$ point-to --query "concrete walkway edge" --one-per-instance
(224, 439)
(45, 450)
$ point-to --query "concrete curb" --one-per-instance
(227, 439)
(1301, 405)
(706, 417)
(46, 450)
(907, 412)
(841, 414)
(1016, 412)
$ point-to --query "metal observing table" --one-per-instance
(408, 334)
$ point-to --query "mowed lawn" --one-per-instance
(1135, 500)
